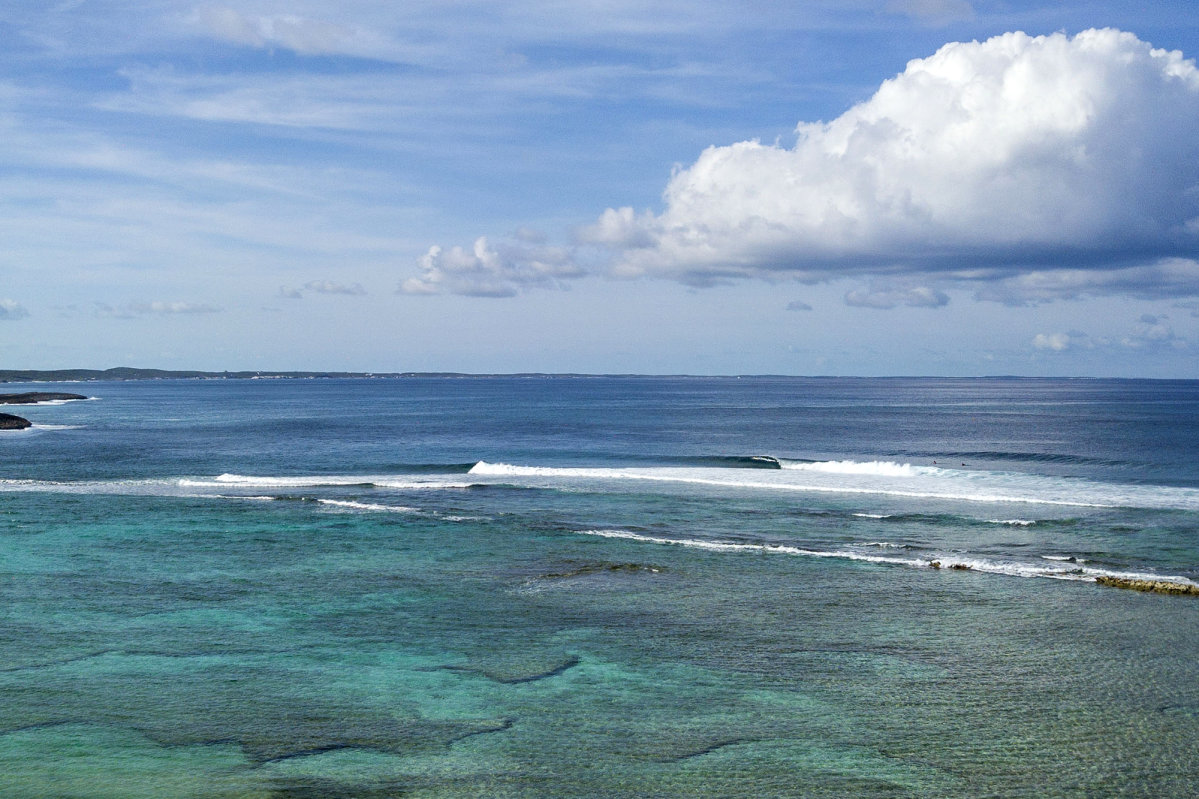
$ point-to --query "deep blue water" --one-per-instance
(569, 587)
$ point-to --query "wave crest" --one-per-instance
(1069, 570)
(878, 468)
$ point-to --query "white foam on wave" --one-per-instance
(57, 426)
(410, 485)
(1013, 522)
(370, 506)
(731, 546)
(950, 562)
(879, 468)
(906, 482)
(316, 481)
(132, 487)
(48, 402)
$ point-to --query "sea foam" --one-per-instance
(878, 468)
(317, 481)
(951, 562)
(878, 478)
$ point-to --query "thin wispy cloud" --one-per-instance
(132, 310)
(933, 12)
(886, 297)
(304, 35)
(333, 287)
(11, 309)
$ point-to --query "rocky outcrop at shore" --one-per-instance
(1154, 586)
(30, 397)
(10, 422)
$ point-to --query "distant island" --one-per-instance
(9, 421)
(34, 397)
(128, 373)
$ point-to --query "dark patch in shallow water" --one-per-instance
(519, 672)
(314, 788)
(602, 567)
(703, 750)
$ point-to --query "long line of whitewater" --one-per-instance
(881, 478)
(1051, 568)
(846, 477)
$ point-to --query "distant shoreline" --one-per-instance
(128, 373)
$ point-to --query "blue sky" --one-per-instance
(953, 187)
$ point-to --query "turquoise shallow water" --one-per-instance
(314, 589)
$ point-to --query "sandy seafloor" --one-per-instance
(586, 587)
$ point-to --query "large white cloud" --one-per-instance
(984, 162)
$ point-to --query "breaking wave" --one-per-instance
(878, 478)
(1064, 568)
(318, 481)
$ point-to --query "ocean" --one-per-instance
(600, 587)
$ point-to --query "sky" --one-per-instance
(902, 187)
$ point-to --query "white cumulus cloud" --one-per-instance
(1154, 332)
(1056, 342)
(985, 162)
(492, 271)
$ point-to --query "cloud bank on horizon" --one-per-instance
(1027, 168)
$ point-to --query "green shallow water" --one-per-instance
(175, 647)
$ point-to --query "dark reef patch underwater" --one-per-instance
(619, 587)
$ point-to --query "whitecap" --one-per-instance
(948, 562)
(368, 506)
(317, 481)
(879, 478)
(879, 468)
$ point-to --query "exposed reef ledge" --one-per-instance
(1154, 586)
(32, 397)
(10, 422)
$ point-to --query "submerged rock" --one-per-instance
(600, 568)
(519, 669)
(1153, 586)
(30, 397)
(10, 422)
